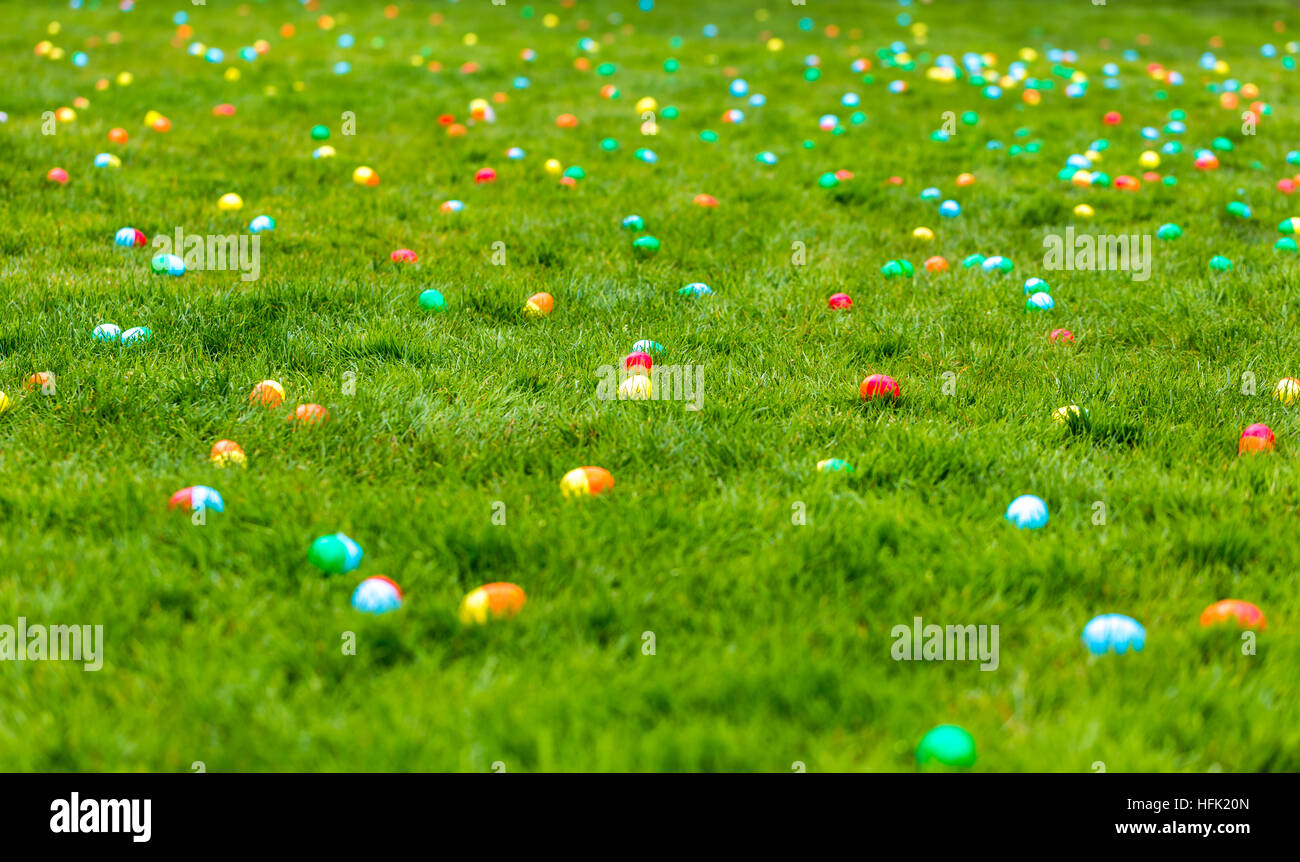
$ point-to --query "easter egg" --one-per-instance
(335, 555)
(325, 152)
(320, 133)
(1041, 301)
(196, 498)
(949, 209)
(1034, 285)
(172, 264)
(638, 387)
(377, 594)
(129, 237)
(1083, 211)
(432, 300)
(1286, 244)
(1169, 231)
(646, 245)
(840, 300)
(696, 288)
(936, 264)
(107, 160)
(230, 202)
(1287, 390)
(365, 176)
(1219, 263)
(141, 334)
(633, 222)
(946, 745)
(703, 200)
(107, 332)
(1027, 512)
(1244, 615)
(1070, 413)
(584, 481)
(261, 224)
(638, 362)
(118, 136)
(834, 465)
(923, 233)
(878, 386)
(897, 269)
(491, 602)
(539, 305)
(485, 175)
(1256, 438)
(404, 255)
(57, 175)
(1062, 335)
(39, 380)
(310, 414)
(451, 206)
(268, 393)
(1114, 633)
(227, 452)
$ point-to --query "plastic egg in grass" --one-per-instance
(696, 288)
(432, 300)
(377, 594)
(365, 176)
(307, 415)
(268, 393)
(947, 745)
(1028, 512)
(129, 237)
(335, 554)
(1287, 390)
(878, 386)
(539, 305)
(227, 452)
(137, 335)
(197, 498)
(230, 202)
(1115, 633)
(1236, 612)
(840, 301)
(491, 602)
(107, 332)
(1256, 438)
(834, 465)
(635, 388)
(645, 345)
(1041, 301)
(261, 224)
(171, 264)
(586, 481)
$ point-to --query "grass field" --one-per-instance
(771, 588)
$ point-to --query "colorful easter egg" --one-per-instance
(539, 305)
(584, 481)
(230, 202)
(1244, 615)
(261, 224)
(137, 334)
(947, 745)
(335, 555)
(432, 300)
(491, 602)
(129, 237)
(268, 393)
(377, 594)
(196, 498)
(1028, 512)
(224, 453)
(638, 387)
(107, 332)
(840, 300)
(1287, 390)
(1115, 633)
(365, 176)
(1256, 438)
(310, 414)
(878, 386)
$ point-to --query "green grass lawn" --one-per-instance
(770, 588)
